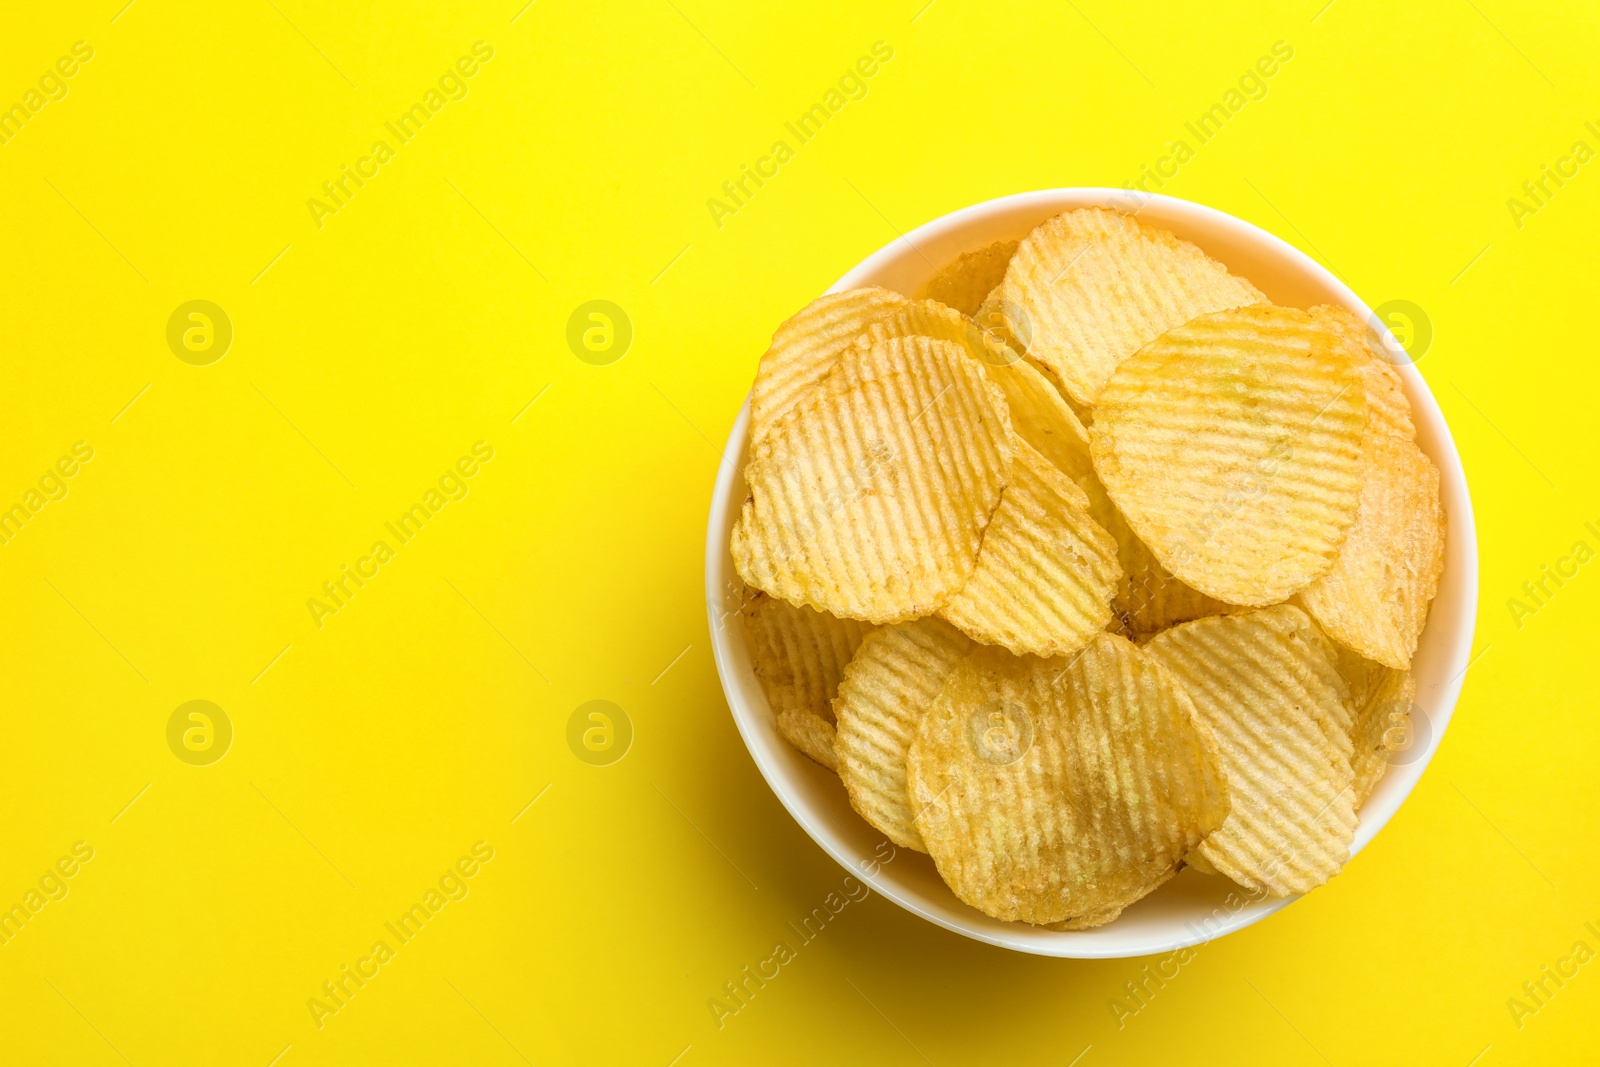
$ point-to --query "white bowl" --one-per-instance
(1193, 907)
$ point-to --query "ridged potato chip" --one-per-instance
(1375, 599)
(1232, 444)
(995, 324)
(870, 501)
(1267, 686)
(1092, 286)
(1388, 410)
(1044, 420)
(1050, 790)
(1046, 570)
(1039, 415)
(1380, 703)
(811, 734)
(970, 277)
(807, 346)
(1084, 412)
(888, 687)
(798, 653)
(1149, 599)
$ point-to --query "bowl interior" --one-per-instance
(1192, 907)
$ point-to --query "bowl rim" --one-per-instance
(1461, 571)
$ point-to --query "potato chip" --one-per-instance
(1381, 700)
(1326, 667)
(888, 687)
(807, 346)
(870, 502)
(971, 276)
(1084, 412)
(1375, 599)
(1232, 445)
(1044, 420)
(997, 326)
(1039, 414)
(1092, 287)
(1046, 571)
(1097, 918)
(811, 734)
(1267, 687)
(1049, 790)
(1388, 410)
(798, 653)
(1149, 599)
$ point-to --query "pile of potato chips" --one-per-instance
(1091, 565)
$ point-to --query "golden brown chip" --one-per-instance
(995, 324)
(888, 687)
(1232, 445)
(1046, 572)
(1149, 599)
(798, 653)
(869, 502)
(1266, 685)
(1042, 419)
(811, 734)
(807, 346)
(1052, 789)
(1093, 919)
(1091, 287)
(1039, 415)
(1380, 703)
(966, 281)
(1388, 410)
(1375, 599)
(1084, 412)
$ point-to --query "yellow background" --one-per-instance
(369, 754)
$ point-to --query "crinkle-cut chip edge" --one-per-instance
(1243, 850)
(1016, 900)
(980, 432)
(811, 735)
(1138, 456)
(971, 274)
(1385, 624)
(1379, 727)
(926, 649)
(1041, 508)
(811, 647)
(805, 347)
(1184, 269)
